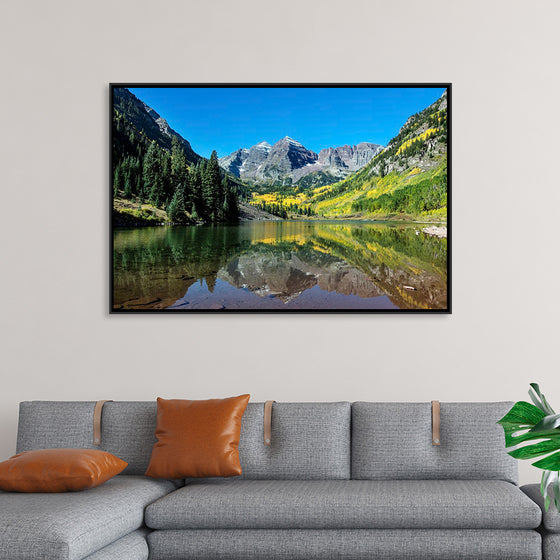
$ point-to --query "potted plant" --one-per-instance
(534, 431)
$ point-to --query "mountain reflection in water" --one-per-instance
(286, 274)
(280, 265)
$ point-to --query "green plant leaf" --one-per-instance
(519, 420)
(522, 414)
(551, 481)
(539, 399)
(550, 463)
(549, 422)
(523, 424)
(547, 478)
(512, 440)
(535, 450)
(556, 490)
(552, 493)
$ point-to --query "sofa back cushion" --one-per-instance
(127, 428)
(394, 441)
(309, 440)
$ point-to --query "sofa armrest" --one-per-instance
(551, 518)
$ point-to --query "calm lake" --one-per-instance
(279, 265)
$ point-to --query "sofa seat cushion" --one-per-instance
(73, 525)
(345, 504)
(133, 546)
(551, 546)
(346, 544)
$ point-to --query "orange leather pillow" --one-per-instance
(58, 470)
(197, 438)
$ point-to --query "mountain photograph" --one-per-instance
(279, 198)
(287, 161)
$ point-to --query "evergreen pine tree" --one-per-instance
(172, 210)
(168, 188)
(176, 208)
(117, 180)
(180, 198)
(179, 169)
(187, 189)
(127, 187)
(152, 175)
(195, 182)
(194, 214)
(211, 187)
(221, 199)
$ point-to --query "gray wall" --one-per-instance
(56, 338)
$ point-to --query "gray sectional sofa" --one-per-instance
(339, 481)
(550, 527)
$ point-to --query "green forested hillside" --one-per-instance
(408, 178)
(154, 184)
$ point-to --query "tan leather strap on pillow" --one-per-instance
(98, 409)
(435, 422)
(268, 422)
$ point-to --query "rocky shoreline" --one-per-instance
(436, 231)
(250, 213)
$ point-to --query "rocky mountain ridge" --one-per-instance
(288, 161)
(420, 143)
(148, 122)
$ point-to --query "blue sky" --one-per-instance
(226, 119)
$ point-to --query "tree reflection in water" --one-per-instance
(278, 262)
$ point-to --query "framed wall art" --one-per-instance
(280, 198)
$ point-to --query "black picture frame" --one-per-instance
(114, 310)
